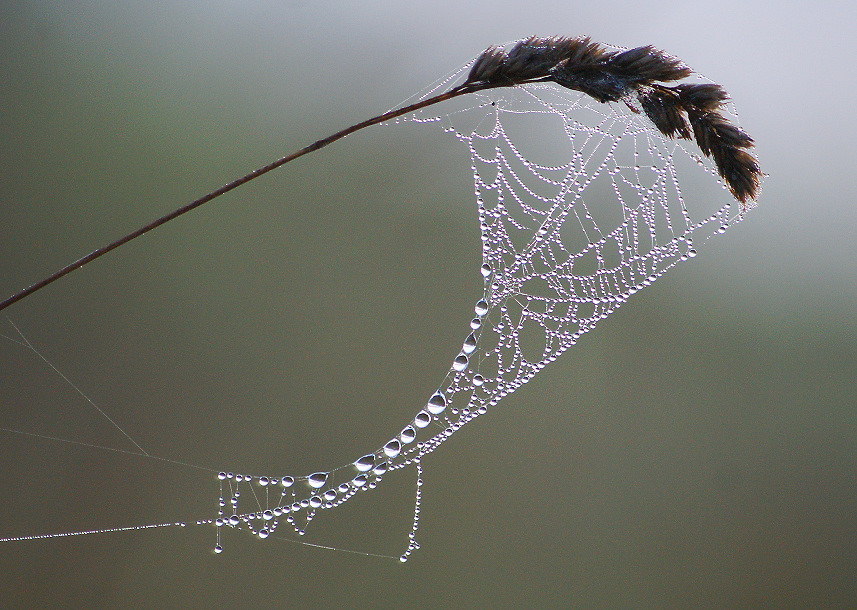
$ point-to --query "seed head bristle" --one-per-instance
(667, 115)
(708, 97)
(645, 65)
(486, 65)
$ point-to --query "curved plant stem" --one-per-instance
(392, 114)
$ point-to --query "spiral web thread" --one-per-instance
(564, 245)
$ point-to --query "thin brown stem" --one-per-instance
(392, 114)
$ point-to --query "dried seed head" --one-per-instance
(708, 97)
(609, 76)
(486, 65)
(645, 65)
(667, 115)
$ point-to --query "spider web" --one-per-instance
(579, 207)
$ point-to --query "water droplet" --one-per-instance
(408, 435)
(422, 419)
(380, 469)
(233, 520)
(485, 270)
(315, 502)
(392, 448)
(365, 463)
(330, 495)
(288, 481)
(263, 481)
(221, 475)
(317, 479)
(268, 515)
(263, 533)
(436, 404)
(469, 344)
(691, 253)
(218, 549)
(359, 481)
(481, 307)
(478, 380)
(460, 363)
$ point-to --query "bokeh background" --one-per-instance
(699, 449)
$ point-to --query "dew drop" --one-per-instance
(408, 435)
(422, 419)
(392, 448)
(475, 323)
(263, 481)
(365, 463)
(485, 270)
(221, 475)
(469, 344)
(218, 549)
(315, 502)
(460, 363)
(317, 479)
(263, 533)
(481, 307)
(380, 469)
(436, 404)
(478, 380)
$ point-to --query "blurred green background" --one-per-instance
(699, 449)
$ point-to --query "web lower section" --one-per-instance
(579, 208)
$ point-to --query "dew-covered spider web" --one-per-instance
(581, 204)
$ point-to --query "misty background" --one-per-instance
(698, 449)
